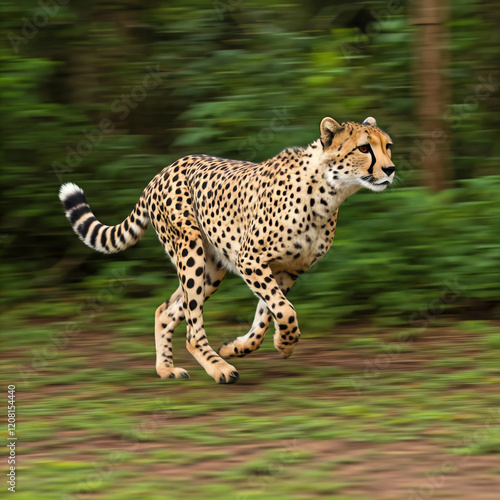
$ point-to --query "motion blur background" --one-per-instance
(105, 94)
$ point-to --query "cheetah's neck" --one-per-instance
(310, 177)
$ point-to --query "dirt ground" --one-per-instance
(419, 468)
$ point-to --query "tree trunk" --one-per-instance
(431, 86)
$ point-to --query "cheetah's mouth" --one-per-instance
(368, 182)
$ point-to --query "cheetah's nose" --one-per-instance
(389, 170)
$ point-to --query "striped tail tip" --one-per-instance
(105, 239)
(71, 195)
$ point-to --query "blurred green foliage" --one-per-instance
(243, 79)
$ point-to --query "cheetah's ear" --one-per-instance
(328, 128)
(370, 121)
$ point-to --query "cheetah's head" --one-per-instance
(356, 154)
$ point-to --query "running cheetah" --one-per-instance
(268, 222)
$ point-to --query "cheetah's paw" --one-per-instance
(171, 372)
(285, 350)
(224, 373)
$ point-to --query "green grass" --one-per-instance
(95, 421)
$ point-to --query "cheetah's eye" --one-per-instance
(364, 149)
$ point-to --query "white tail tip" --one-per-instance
(68, 190)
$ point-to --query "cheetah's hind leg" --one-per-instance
(191, 268)
(168, 316)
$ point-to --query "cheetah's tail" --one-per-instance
(105, 239)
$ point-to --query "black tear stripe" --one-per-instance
(370, 170)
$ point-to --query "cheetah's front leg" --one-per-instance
(250, 342)
(261, 281)
(241, 346)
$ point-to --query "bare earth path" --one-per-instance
(341, 419)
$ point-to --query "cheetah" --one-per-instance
(268, 222)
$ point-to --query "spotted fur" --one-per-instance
(268, 222)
